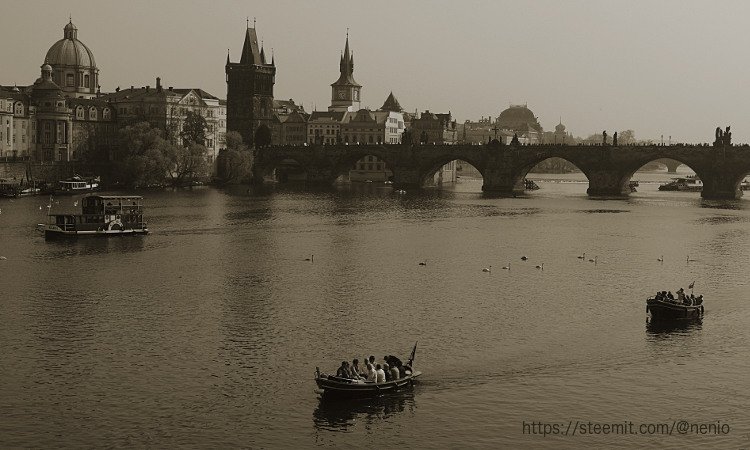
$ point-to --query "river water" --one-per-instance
(207, 332)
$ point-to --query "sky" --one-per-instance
(676, 68)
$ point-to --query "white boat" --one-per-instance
(77, 185)
(689, 183)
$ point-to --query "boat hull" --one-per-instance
(52, 234)
(666, 311)
(339, 387)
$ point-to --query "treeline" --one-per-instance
(140, 155)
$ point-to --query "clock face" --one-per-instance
(342, 94)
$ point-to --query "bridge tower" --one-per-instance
(250, 89)
(345, 91)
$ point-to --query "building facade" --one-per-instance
(250, 85)
(520, 121)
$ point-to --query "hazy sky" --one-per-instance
(677, 68)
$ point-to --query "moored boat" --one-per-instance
(690, 183)
(333, 386)
(77, 185)
(101, 215)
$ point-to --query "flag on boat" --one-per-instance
(690, 286)
(413, 352)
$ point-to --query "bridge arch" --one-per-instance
(282, 169)
(365, 162)
(675, 161)
(432, 167)
(523, 172)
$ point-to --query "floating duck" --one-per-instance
(487, 269)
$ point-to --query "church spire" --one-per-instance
(250, 51)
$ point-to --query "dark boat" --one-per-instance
(668, 310)
(333, 386)
(101, 215)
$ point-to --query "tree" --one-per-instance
(138, 158)
(236, 161)
(193, 129)
(626, 137)
(186, 163)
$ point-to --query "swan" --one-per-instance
(311, 258)
(594, 260)
(507, 267)
(524, 258)
(660, 259)
(540, 266)
(487, 269)
(423, 263)
(689, 260)
(582, 256)
(3, 258)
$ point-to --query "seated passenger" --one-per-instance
(371, 374)
(380, 374)
(387, 370)
(343, 371)
(395, 374)
(355, 369)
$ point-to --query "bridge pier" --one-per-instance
(721, 186)
(607, 183)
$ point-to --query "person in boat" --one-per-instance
(371, 374)
(670, 297)
(343, 371)
(379, 374)
(395, 374)
(699, 300)
(395, 362)
(355, 370)
(387, 370)
(372, 360)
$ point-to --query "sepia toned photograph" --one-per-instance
(427, 224)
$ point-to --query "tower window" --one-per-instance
(69, 80)
(86, 81)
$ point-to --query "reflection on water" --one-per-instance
(335, 414)
(664, 328)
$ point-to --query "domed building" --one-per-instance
(73, 65)
(519, 120)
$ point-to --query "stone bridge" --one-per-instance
(504, 167)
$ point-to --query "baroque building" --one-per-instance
(73, 66)
(250, 91)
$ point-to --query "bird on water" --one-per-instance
(507, 267)
(541, 266)
(311, 258)
(582, 256)
(423, 263)
(487, 269)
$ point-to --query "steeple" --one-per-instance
(262, 54)
(227, 56)
(346, 66)
(70, 31)
(273, 58)
(250, 51)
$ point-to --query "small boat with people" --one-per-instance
(368, 380)
(690, 183)
(666, 306)
(77, 185)
(101, 215)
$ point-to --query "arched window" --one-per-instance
(19, 109)
(92, 113)
(86, 81)
(105, 114)
(69, 79)
(79, 112)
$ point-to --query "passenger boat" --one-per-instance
(101, 215)
(333, 386)
(77, 185)
(690, 183)
(666, 310)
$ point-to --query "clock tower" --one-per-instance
(345, 92)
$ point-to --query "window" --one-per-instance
(69, 80)
(105, 114)
(210, 143)
(79, 112)
(92, 114)
(85, 81)
(19, 109)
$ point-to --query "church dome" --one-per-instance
(518, 113)
(69, 51)
(559, 128)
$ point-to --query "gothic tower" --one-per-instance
(250, 90)
(345, 91)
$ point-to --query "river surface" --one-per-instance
(207, 332)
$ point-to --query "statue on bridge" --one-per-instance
(515, 140)
(604, 137)
(614, 139)
(723, 137)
